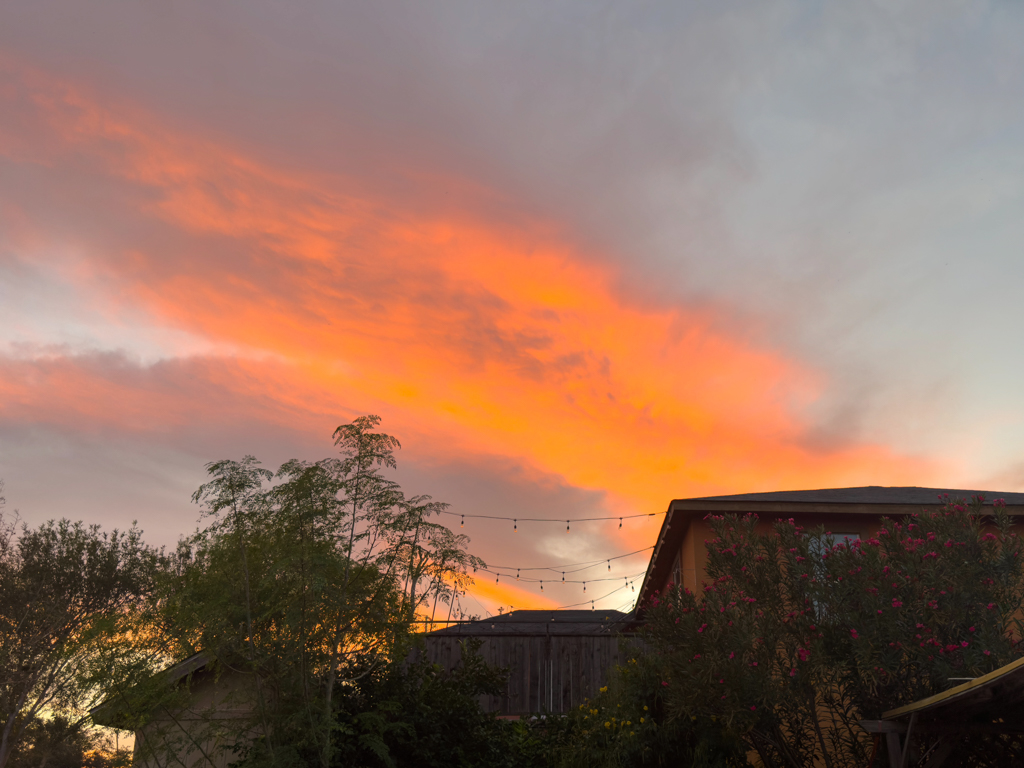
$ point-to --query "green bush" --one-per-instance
(629, 724)
(419, 716)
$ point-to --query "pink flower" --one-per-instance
(896, 603)
(732, 654)
(664, 683)
(970, 629)
(987, 653)
(991, 606)
(964, 643)
(753, 707)
(854, 635)
(792, 672)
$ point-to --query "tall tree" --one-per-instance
(61, 587)
(304, 581)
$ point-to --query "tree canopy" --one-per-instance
(62, 587)
(302, 582)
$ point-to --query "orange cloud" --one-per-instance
(471, 335)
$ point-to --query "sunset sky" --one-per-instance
(582, 258)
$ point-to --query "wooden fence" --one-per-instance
(547, 672)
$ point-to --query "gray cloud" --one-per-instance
(841, 182)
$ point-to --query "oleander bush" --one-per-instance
(797, 636)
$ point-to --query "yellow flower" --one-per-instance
(645, 707)
(603, 690)
(629, 722)
(607, 725)
(641, 720)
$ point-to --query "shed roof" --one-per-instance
(999, 695)
(553, 622)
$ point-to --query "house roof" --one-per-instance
(865, 494)
(547, 623)
(868, 499)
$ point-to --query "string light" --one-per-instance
(609, 565)
(584, 586)
(542, 585)
(584, 564)
(515, 527)
(577, 605)
(463, 523)
(519, 577)
(620, 518)
(566, 526)
(620, 522)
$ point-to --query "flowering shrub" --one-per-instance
(797, 636)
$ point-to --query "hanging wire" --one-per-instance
(577, 605)
(533, 580)
(567, 566)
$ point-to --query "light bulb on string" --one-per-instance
(563, 577)
(517, 574)
(463, 523)
(631, 587)
(609, 565)
(584, 586)
(496, 579)
(566, 526)
(515, 526)
(620, 522)
(591, 605)
(542, 585)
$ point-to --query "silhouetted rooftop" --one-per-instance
(553, 622)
